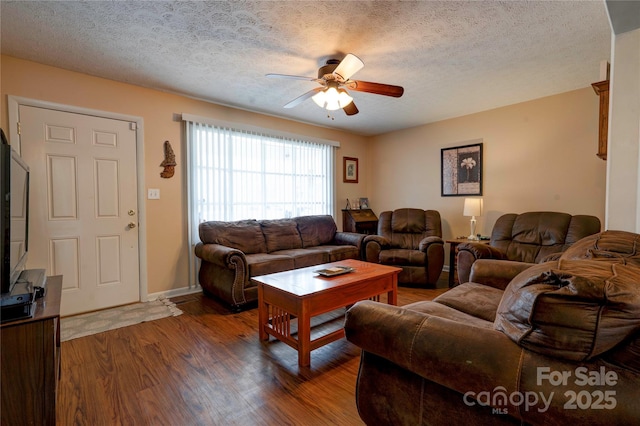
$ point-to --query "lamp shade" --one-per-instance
(472, 207)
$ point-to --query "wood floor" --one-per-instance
(208, 367)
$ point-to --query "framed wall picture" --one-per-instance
(350, 169)
(461, 169)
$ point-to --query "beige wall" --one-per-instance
(167, 243)
(538, 155)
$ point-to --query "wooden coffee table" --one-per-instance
(303, 293)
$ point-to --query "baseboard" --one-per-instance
(174, 293)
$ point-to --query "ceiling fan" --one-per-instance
(334, 78)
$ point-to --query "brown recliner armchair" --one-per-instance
(555, 343)
(410, 239)
(531, 237)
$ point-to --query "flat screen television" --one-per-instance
(14, 212)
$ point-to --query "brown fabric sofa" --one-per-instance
(555, 343)
(528, 237)
(233, 252)
(410, 239)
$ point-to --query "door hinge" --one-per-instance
(132, 126)
(19, 128)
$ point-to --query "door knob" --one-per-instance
(131, 225)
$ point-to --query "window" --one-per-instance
(239, 174)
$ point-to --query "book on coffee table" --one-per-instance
(335, 270)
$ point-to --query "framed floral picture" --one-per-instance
(350, 169)
(461, 169)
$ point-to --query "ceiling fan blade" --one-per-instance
(350, 65)
(303, 97)
(377, 88)
(295, 77)
(351, 109)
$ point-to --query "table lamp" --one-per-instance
(473, 208)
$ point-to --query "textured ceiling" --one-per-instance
(452, 57)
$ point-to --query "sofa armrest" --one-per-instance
(219, 255)
(496, 273)
(469, 253)
(428, 241)
(435, 348)
(434, 248)
(372, 246)
(349, 239)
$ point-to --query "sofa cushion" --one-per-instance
(532, 236)
(442, 311)
(538, 234)
(541, 228)
(303, 257)
(572, 309)
(244, 235)
(408, 220)
(281, 234)
(475, 299)
(403, 257)
(264, 263)
(335, 253)
(316, 230)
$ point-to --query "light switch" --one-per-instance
(153, 194)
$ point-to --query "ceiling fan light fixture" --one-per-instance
(332, 99)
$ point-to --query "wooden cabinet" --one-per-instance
(602, 90)
(362, 221)
(31, 362)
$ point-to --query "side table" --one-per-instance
(453, 252)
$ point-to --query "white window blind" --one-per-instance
(240, 174)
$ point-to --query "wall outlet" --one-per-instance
(153, 194)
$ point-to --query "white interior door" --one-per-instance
(83, 205)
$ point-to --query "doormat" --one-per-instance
(113, 318)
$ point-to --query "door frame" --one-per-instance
(14, 102)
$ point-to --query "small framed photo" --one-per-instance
(350, 169)
(364, 203)
(461, 168)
